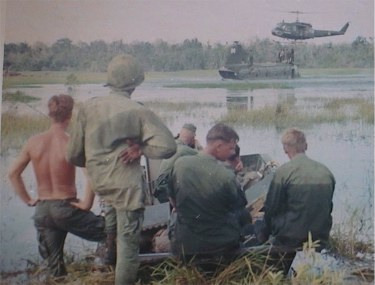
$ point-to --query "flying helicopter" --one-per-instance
(301, 31)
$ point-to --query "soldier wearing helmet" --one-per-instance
(108, 137)
(124, 73)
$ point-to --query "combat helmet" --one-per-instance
(124, 73)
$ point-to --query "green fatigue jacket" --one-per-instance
(206, 198)
(299, 201)
(98, 136)
(162, 183)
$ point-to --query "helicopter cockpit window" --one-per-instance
(287, 28)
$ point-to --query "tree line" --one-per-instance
(64, 55)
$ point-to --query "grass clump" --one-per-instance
(15, 130)
(18, 96)
(253, 267)
(320, 112)
(52, 77)
(347, 241)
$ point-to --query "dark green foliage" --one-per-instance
(64, 55)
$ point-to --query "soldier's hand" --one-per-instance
(238, 167)
(32, 202)
(83, 205)
(132, 153)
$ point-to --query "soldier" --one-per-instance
(299, 199)
(186, 144)
(205, 196)
(109, 136)
(57, 209)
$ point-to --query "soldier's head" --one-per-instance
(221, 141)
(187, 134)
(294, 142)
(234, 160)
(60, 107)
(124, 73)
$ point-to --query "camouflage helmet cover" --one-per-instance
(124, 72)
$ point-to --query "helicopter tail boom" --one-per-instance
(323, 33)
(344, 28)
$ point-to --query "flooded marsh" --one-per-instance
(335, 111)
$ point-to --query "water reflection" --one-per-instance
(238, 103)
(286, 103)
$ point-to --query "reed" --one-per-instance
(232, 86)
(15, 130)
(52, 77)
(348, 241)
(251, 268)
(18, 96)
(321, 111)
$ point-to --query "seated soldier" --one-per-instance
(186, 143)
(205, 196)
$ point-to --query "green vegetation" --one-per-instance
(15, 130)
(177, 106)
(28, 78)
(18, 96)
(233, 86)
(31, 79)
(309, 72)
(191, 54)
(71, 83)
(322, 111)
(254, 267)
(347, 241)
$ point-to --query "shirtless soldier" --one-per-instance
(58, 211)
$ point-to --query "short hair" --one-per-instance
(295, 139)
(60, 107)
(190, 127)
(223, 132)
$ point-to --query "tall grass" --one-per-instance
(334, 71)
(18, 96)
(15, 130)
(324, 111)
(52, 77)
(347, 240)
(251, 268)
(233, 86)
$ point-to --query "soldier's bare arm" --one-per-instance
(15, 177)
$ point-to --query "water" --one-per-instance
(347, 149)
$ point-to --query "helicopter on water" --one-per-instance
(302, 31)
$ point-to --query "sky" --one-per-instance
(213, 21)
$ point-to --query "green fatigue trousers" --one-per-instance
(53, 220)
(129, 226)
(110, 218)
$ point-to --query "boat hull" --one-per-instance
(259, 71)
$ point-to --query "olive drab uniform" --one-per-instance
(97, 137)
(162, 183)
(299, 201)
(206, 197)
(99, 134)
